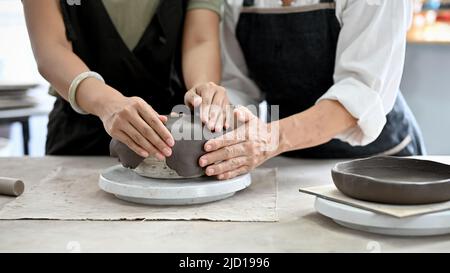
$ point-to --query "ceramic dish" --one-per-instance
(11, 87)
(14, 103)
(392, 180)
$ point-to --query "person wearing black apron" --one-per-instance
(101, 82)
(295, 55)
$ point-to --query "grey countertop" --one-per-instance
(300, 228)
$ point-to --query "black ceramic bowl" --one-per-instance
(393, 180)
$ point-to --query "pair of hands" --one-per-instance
(136, 124)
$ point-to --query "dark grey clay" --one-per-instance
(393, 180)
(190, 138)
(126, 156)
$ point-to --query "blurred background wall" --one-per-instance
(426, 79)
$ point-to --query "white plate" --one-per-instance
(16, 87)
(129, 186)
(7, 103)
(437, 223)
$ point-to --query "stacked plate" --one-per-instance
(15, 96)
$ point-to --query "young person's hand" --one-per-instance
(136, 124)
(212, 99)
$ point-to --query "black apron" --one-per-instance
(152, 70)
(290, 53)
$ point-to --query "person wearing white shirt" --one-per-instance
(333, 68)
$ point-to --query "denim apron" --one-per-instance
(290, 54)
(152, 70)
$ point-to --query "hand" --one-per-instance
(214, 105)
(243, 149)
(133, 122)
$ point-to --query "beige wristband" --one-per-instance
(74, 87)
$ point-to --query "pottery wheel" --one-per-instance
(437, 223)
(129, 186)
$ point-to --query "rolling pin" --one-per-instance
(11, 187)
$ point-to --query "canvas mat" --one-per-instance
(330, 192)
(73, 194)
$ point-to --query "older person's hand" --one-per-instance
(242, 150)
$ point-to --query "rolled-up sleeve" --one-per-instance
(369, 63)
(213, 5)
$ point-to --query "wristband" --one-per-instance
(74, 87)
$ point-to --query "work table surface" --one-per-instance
(300, 228)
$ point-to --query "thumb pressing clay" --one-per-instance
(190, 137)
(11, 187)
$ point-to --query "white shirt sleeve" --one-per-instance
(234, 68)
(369, 63)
